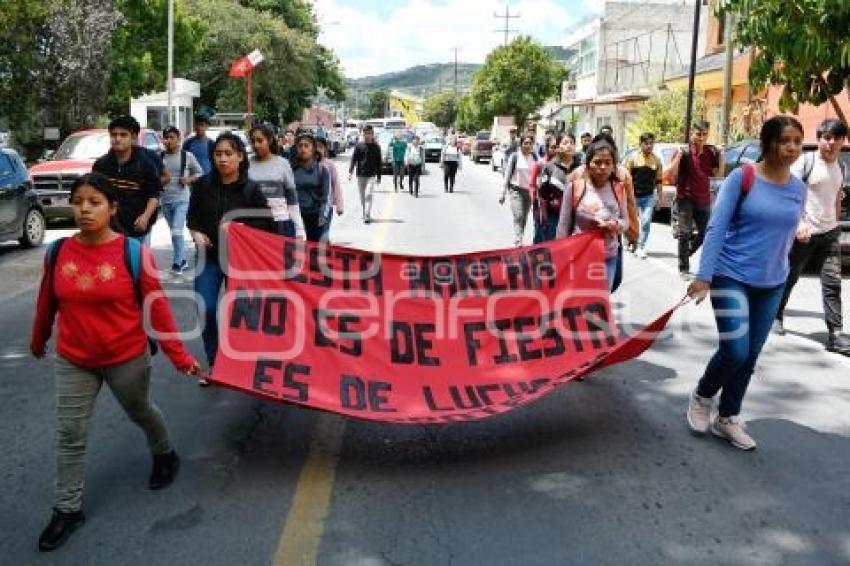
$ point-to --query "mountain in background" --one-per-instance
(422, 80)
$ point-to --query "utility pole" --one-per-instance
(456, 49)
(507, 16)
(689, 114)
(729, 19)
(170, 79)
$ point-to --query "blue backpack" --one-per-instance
(132, 261)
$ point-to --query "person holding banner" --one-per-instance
(744, 265)
(215, 198)
(312, 184)
(274, 176)
(98, 281)
(596, 202)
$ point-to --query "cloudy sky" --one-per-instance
(372, 37)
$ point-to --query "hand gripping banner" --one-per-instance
(414, 339)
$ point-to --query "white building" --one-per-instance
(151, 110)
(621, 58)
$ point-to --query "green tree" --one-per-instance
(283, 82)
(298, 15)
(140, 49)
(441, 109)
(468, 117)
(23, 29)
(515, 80)
(801, 44)
(664, 116)
(379, 101)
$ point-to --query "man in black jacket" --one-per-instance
(367, 160)
(134, 177)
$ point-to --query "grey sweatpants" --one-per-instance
(366, 185)
(76, 392)
(520, 205)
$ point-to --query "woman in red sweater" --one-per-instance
(101, 338)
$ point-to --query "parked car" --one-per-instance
(53, 179)
(466, 146)
(481, 147)
(461, 141)
(433, 146)
(749, 151)
(21, 214)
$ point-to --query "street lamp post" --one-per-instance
(689, 114)
(170, 78)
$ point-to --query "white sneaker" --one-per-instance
(699, 413)
(731, 429)
(641, 253)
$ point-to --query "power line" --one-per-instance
(507, 16)
(456, 49)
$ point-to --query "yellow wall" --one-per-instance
(407, 107)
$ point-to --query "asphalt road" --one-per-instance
(600, 472)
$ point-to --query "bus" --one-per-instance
(389, 124)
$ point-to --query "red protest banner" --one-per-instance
(413, 339)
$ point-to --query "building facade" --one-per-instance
(620, 58)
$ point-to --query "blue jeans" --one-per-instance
(175, 215)
(611, 269)
(208, 285)
(646, 206)
(744, 315)
(545, 231)
(144, 239)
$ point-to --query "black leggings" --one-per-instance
(449, 174)
(413, 174)
(313, 226)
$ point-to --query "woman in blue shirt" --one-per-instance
(744, 264)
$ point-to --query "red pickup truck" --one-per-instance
(482, 147)
(74, 158)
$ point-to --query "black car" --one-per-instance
(21, 215)
(749, 151)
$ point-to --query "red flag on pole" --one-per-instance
(242, 67)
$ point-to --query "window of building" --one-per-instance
(587, 55)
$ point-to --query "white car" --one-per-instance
(433, 146)
(497, 162)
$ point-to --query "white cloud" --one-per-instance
(425, 31)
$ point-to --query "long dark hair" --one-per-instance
(267, 133)
(771, 133)
(239, 147)
(101, 184)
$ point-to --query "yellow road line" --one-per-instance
(305, 523)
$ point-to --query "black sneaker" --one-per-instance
(165, 467)
(61, 526)
(838, 343)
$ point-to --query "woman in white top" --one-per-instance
(274, 176)
(518, 184)
(451, 162)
